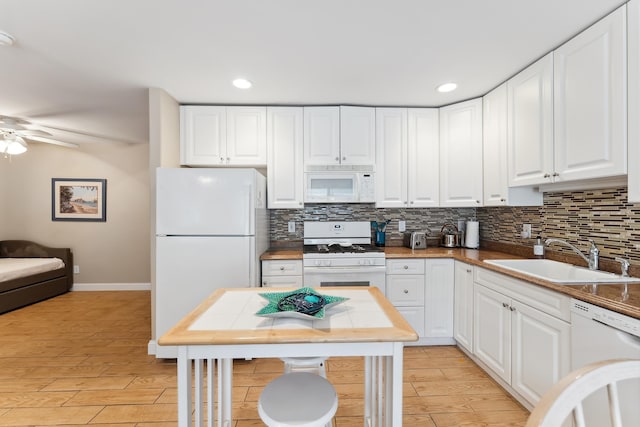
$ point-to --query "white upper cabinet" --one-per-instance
(357, 135)
(407, 160)
(495, 156)
(633, 57)
(530, 124)
(461, 154)
(494, 146)
(223, 136)
(423, 163)
(339, 136)
(285, 178)
(321, 135)
(590, 130)
(391, 161)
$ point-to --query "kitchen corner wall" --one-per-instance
(602, 215)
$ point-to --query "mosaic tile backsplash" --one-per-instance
(602, 215)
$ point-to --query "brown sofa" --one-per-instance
(23, 291)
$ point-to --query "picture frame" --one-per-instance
(74, 199)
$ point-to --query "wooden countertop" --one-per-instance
(610, 296)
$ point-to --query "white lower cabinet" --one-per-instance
(282, 273)
(521, 334)
(422, 291)
(463, 305)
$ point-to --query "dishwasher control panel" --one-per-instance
(611, 318)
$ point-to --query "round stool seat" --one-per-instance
(300, 399)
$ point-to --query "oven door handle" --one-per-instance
(344, 270)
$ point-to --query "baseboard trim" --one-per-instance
(111, 287)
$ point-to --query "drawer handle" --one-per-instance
(282, 268)
(406, 291)
(505, 305)
(406, 267)
(468, 270)
(512, 308)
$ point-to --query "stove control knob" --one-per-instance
(317, 263)
(327, 263)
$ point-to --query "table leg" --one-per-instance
(199, 402)
(396, 381)
(225, 384)
(184, 388)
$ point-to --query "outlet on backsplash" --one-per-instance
(526, 231)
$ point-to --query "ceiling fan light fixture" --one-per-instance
(13, 145)
(241, 83)
(6, 39)
(447, 87)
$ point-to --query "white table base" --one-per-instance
(383, 377)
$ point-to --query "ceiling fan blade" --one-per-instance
(50, 141)
(33, 132)
(12, 126)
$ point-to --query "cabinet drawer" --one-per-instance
(292, 267)
(405, 266)
(545, 300)
(282, 281)
(405, 290)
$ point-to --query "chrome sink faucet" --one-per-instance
(594, 252)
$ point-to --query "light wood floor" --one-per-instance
(81, 359)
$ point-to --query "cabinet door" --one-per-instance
(633, 57)
(321, 135)
(463, 305)
(530, 124)
(590, 102)
(203, 135)
(494, 145)
(461, 154)
(285, 178)
(438, 299)
(492, 330)
(415, 317)
(247, 136)
(423, 163)
(357, 135)
(391, 162)
(540, 351)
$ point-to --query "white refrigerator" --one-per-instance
(211, 227)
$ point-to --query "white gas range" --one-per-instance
(340, 253)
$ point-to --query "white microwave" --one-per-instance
(339, 186)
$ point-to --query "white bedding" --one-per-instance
(14, 268)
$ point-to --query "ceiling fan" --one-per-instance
(15, 132)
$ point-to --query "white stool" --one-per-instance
(300, 399)
(305, 364)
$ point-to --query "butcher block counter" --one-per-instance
(610, 296)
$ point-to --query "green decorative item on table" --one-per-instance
(304, 303)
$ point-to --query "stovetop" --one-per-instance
(338, 248)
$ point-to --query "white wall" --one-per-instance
(115, 251)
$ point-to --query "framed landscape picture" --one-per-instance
(78, 199)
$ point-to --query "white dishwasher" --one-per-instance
(600, 334)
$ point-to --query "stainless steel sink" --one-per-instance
(559, 272)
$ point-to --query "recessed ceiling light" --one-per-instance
(447, 87)
(242, 83)
(6, 39)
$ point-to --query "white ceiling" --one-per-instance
(84, 65)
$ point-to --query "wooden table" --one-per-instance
(225, 327)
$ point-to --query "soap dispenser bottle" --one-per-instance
(538, 248)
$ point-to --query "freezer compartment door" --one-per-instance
(205, 201)
(189, 269)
